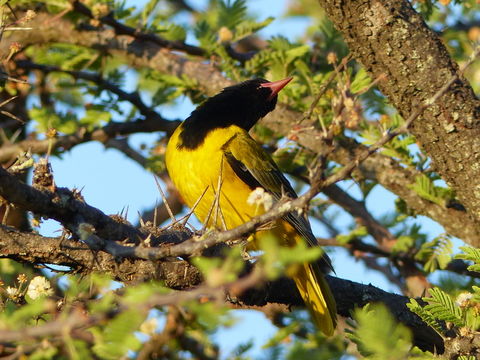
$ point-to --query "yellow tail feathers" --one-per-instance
(317, 296)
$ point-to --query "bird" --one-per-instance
(215, 163)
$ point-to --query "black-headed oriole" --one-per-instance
(212, 143)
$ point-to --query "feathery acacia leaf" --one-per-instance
(441, 306)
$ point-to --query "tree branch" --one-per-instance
(113, 129)
(35, 249)
(178, 274)
(132, 97)
(390, 38)
(64, 206)
(122, 29)
(358, 210)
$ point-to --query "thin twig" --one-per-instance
(324, 87)
(185, 219)
(164, 199)
(216, 201)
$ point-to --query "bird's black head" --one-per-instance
(241, 104)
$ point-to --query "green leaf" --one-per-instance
(209, 316)
(103, 304)
(77, 61)
(117, 338)
(441, 306)
(475, 267)
(301, 253)
(249, 27)
(82, 285)
(46, 118)
(472, 318)
(277, 258)
(46, 351)
(378, 336)
(425, 188)
(148, 10)
(171, 31)
(206, 35)
(271, 253)
(231, 13)
(241, 349)
(166, 88)
(360, 82)
(297, 52)
(354, 234)
(282, 334)
(218, 271)
(472, 254)
(398, 147)
(26, 313)
(142, 292)
(435, 254)
(425, 315)
(95, 117)
(403, 244)
(82, 349)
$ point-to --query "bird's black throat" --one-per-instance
(199, 124)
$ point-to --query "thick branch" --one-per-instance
(65, 207)
(35, 249)
(350, 295)
(358, 210)
(179, 274)
(389, 37)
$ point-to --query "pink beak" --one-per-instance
(276, 86)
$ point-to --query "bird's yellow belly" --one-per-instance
(197, 172)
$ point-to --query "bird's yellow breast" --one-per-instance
(197, 171)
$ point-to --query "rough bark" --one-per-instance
(35, 249)
(180, 274)
(389, 38)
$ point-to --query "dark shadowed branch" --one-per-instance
(179, 274)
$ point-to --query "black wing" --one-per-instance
(255, 167)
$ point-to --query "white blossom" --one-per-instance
(260, 197)
(12, 292)
(463, 299)
(39, 286)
